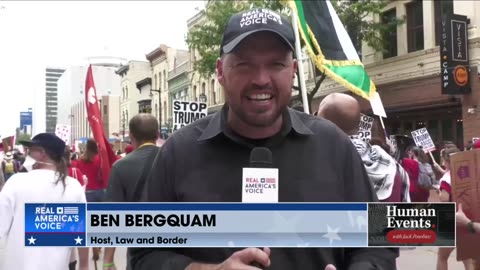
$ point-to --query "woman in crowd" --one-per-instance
(82, 179)
(47, 182)
(89, 165)
(411, 166)
(446, 196)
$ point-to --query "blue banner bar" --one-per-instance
(227, 206)
(55, 240)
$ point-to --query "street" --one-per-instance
(420, 258)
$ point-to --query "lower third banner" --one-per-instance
(227, 225)
(240, 224)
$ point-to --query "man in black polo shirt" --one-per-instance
(203, 162)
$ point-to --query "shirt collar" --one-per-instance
(217, 124)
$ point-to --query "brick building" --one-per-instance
(407, 74)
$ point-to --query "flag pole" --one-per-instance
(301, 74)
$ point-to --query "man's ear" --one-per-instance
(219, 66)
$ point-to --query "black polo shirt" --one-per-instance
(317, 162)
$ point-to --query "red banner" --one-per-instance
(107, 157)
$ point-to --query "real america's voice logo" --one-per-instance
(411, 224)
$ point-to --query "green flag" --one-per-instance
(330, 47)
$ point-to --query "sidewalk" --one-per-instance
(424, 258)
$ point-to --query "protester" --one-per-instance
(203, 161)
(426, 176)
(446, 196)
(9, 166)
(129, 173)
(463, 221)
(46, 182)
(344, 111)
(2, 181)
(78, 175)
(89, 165)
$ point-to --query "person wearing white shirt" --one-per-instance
(46, 181)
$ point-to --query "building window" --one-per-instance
(165, 79)
(155, 82)
(105, 109)
(390, 38)
(194, 93)
(156, 110)
(441, 8)
(415, 26)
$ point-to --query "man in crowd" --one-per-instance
(389, 180)
(203, 161)
(10, 166)
(129, 173)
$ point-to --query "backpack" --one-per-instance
(425, 181)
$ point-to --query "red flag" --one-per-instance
(107, 157)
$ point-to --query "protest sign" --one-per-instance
(465, 177)
(187, 112)
(377, 106)
(63, 132)
(423, 139)
(365, 128)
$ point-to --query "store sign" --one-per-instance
(455, 72)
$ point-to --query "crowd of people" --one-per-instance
(319, 157)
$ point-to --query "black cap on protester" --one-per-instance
(49, 142)
(243, 24)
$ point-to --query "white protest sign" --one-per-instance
(186, 112)
(365, 128)
(64, 132)
(423, 139)
(260, 185)
(377, 106)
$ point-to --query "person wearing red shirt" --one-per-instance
(89, 164)
(76, 173)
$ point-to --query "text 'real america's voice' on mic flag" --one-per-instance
(240, 224)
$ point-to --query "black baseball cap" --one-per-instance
(243, 24)
(49, 142)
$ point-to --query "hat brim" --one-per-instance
(230, 46)
(26, 143)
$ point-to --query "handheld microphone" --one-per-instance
(260, 157)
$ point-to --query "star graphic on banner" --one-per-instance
(78, 240)
(332, 234)
(31, 240)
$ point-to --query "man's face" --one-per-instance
(257, 79)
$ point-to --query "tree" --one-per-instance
(23, 137)
(206, 37)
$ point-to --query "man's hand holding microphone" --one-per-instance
(245, 259)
